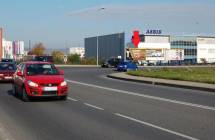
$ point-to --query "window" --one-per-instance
(41, 69)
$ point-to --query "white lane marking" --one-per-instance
(146, 96)
(157, 127)
(93, 106)
(71, 99)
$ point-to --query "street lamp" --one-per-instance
(97, 51)
(97, 37)
(97, 43)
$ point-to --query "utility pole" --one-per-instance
(97, 51)
(29, 45)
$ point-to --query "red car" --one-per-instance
(6, 71)
(39, 79)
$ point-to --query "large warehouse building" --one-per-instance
(196, 49)
(108, 46)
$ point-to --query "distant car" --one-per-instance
(39, 79)
(127, 65)
(112, 62)
(43, 58)
(7, 69)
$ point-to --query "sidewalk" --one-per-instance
(156, 81)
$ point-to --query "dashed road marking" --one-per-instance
(71, 99)
(157, 127)
(93, 106)
(146, 96)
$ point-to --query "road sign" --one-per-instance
(136, 39)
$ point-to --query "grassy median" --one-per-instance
(203, 75)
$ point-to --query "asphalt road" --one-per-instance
(100, 108)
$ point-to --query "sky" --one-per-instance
(65, 23)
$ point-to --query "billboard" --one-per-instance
(155, 55)
(138, 54)
(174, 54)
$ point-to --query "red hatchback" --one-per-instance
(39, 79)
(6, 71)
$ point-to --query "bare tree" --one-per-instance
(38, 49)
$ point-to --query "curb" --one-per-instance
(84, 66)
(162, 83)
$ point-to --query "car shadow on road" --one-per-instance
(5, 82)
(35, 99)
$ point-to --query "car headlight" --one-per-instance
(32, 84)
(125, 66)
(64, 83)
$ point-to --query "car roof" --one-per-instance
(37, 62)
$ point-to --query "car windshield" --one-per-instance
(7, 66)
(42, 69)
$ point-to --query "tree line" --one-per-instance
(59, 56)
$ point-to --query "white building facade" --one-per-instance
(7, 49)
(77, 50)
(183, 49)
(155, 42)
(12, 49)
(18, 49)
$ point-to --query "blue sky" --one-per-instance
(65, 23)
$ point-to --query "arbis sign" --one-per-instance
(154, 32)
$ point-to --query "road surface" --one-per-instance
(99, 108)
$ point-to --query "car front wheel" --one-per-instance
(24, 95)
(15, 90)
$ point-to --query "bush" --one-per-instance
(74, 59)
(58, 57)
(58, 60)
(88, 61)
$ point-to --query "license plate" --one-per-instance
(50, 89)
(8, 77)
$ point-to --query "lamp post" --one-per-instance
(97, 42)
(97, 51)
(97, 37)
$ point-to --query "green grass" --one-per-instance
(203, 75)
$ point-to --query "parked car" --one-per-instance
(39, 79)
(112, 62)
(127, 65)
(43, 58)
(7, 69)
(7, 60)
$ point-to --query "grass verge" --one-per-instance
(202, 75)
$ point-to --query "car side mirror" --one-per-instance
(61, 72)
(19, 73)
